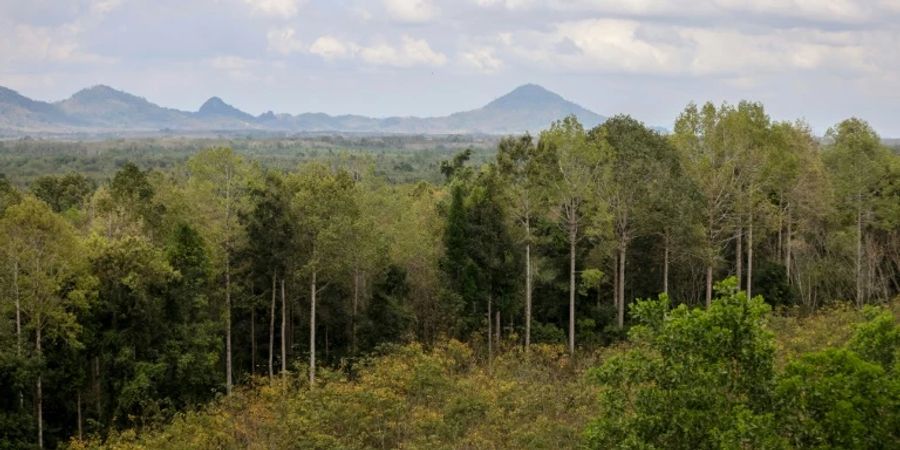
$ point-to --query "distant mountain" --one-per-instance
(102, 109)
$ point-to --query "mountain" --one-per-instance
(215, 107)
(102, 109)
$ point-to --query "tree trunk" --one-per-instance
(98, 398)
(739, 254)
(709, 277)
(615, 275)
(18, 322)
(253, 340)
(283, 330)
(787, 247)
(666, 265)
(227, 324)
(312, 330)
(572, 237)
(498, 328)
(78, 408)
(272, 328)
(490, 334)
(859, 294)
(40, 392)
(527, 284)
(620, 313)
(355, 311)
(750, 257)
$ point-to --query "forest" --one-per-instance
(732, 283)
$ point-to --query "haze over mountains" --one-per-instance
(104, 110)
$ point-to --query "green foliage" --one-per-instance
(835, 399)
(693, 377)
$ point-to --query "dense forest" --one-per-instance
(731, 284)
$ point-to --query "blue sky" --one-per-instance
(817, 60)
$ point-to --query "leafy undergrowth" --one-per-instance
(436, 399)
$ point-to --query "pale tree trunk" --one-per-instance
(615, 274)
(272, 328)
(498, 328)
(283, 330)
(18, 322)
(859, 293)
(739, 254)
(666, 265)
(527, 283)
(709, 265)
(572, 236)
(312, 330)
(355, 310)
(620, 313)
(750, 257)
(253, 340)
(228, 383)
(40, 393)
(787, 246)
(228, 371)
(490, 334)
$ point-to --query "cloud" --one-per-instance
(282, 40)
(329, 47)
(482, 59)
(407, 53)
(413, 11)
(26, 43)
(411, 52)
(278, 8)
(837, 11)
(651, 48)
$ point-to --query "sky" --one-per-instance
(816, 60)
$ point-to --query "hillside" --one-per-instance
(102, 109)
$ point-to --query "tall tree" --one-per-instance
(857, 162)
(45, 254)
(521, 165)
(711, 167)
(638, 163)
(325, 209)
(219, 182)
(579, 171)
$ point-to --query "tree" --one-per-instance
(521, 165)
(578, 173)
(857, 162)
(270, 244)
(44, 254)
(712, 169)
(219, 182)
(325, 209)
(695, 378)
(63, 193)
(639, 160)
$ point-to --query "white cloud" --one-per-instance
(104, 6)
(279, 8)
(410, 52)
(482, 59)
(282, 40)
(330, 47)
(26, 43)
(627, 46)
(415, 11)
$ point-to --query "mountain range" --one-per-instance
(104, 110)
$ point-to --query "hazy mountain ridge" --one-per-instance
(102, 109)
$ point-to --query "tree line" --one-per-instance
(155, 291)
